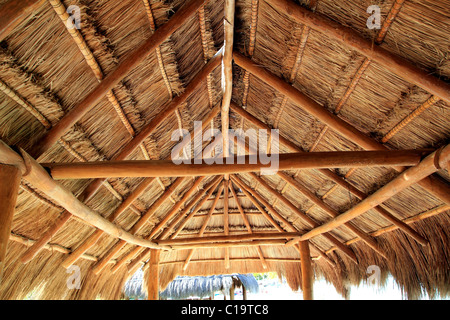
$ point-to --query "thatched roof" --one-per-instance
(48, 73)
(185, 287)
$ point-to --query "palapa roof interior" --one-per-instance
(43, 66)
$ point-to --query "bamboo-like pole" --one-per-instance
(153, 275)
(371, 242)
(239, 164)
(435, 161)
(334, 177)
(93, 187)
(350, 38)
(14, 12)
(10, 177)
(307, 271)
(112, 79)
(37, 176)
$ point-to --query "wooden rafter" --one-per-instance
(139, 224)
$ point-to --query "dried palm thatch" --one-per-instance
(46, 71)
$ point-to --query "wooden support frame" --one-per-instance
(37, 176)
(113, 78)
(240, 164)
(350, 38)
(10, 177)
(437, 160)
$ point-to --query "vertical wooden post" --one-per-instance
(9, 186)
(153, 275)
(244, 292)
(307, 273)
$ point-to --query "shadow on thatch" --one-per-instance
(184, 287)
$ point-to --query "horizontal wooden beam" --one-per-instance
(229, 238)
(130, 62)
(37, 176)
(435, 161)
(241, 164)
(353, 40)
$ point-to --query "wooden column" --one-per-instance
(307, 272)
(153, 275)
(9, 186)
(232, 291)
(244, 293)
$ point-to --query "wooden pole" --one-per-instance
(10, 177)
(112, 79)
(244, 293)
(13, 12)
(226, 223)
(240, 164)
(307, 271)
(232, 291)
(38, 177)
(153, 275)
(353, 40)
(270, 242)
(432, 163)
(230, 238)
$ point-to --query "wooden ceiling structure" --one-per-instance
(168, 231)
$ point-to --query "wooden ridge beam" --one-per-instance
(437, 160)
(353, 40)
(130, 62)
(240, 164)
(273, 242)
